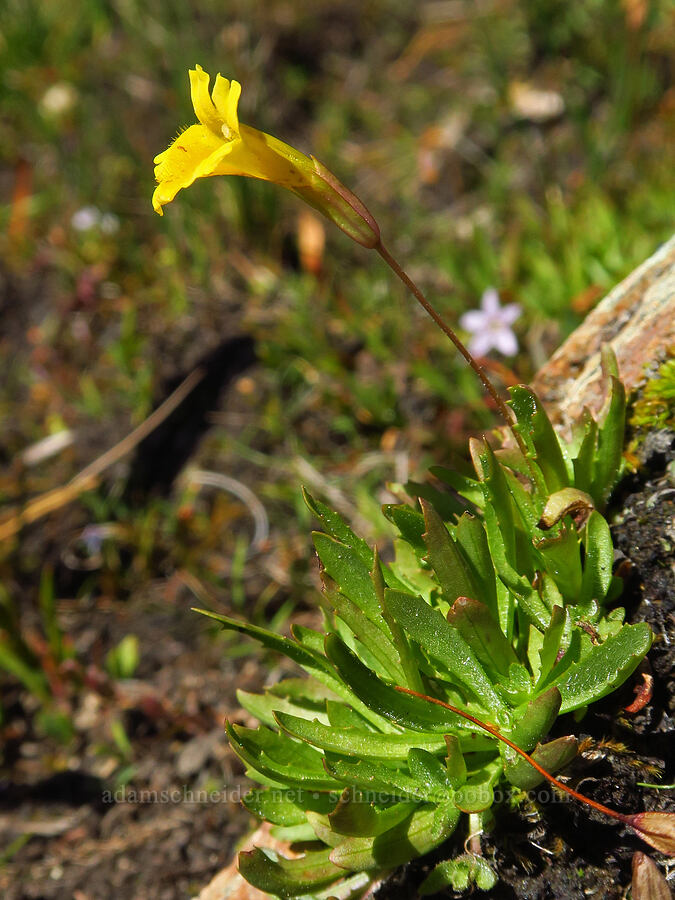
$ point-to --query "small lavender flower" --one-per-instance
(491, 325)
(85, 218)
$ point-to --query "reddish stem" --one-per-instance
(448, 331)
(500, 737)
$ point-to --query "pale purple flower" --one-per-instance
(490, 326)
(85, 218)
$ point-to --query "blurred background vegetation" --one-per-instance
(514, 144)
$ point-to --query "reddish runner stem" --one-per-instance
(500, 737)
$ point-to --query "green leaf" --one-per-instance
(338, 528)
(353, 742)
(354, 816)
(597, 574)
(312, 662)
(458, 874)
(552, 642)
(367, 632)
(561, 560)
(527, 504)
(608, 457)
(470, 535)
(410, 712)
(411, 675)
(413, 837)
(455, 765)
(584, 463)
(263, 706)
(553, 757)
(342, 716)
(605, 667)
(476, 795)
(445, 556)
(278, 757)
(287, 807)
(476, 624)
(288, 877)
(535, 427)
(352, 575)
(499, 505)
(534, 720)
(431, 771)
(409, 522)
(447, 647)
(378, 780)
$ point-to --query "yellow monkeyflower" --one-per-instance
(221, 145)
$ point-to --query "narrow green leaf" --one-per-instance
(476, 624)
(288, 877)
(351, 574)
(411, 676)
(535, 427)
(470, 535)
(476, 795)
(609, 454)
(430, 770)
(446, 646)
(597, 573)
(263, 707)
(561, 560)
(553, 756)
(534, 720)
(338, 528)
(354, 816)
(584, 463)
(527, 505)
(552, 642)
(378, 781)
(605, 667)
(455, 765)
(287, 807)
(353, 742)
(312, 662)
(413, 837)
(291, 763)
(342, 716)
(445, 556)
(409, 522)
(379, 644)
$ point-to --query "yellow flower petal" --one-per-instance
(201, 100)
(195, 153)
(226, 99)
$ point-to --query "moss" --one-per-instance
(655, 408)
